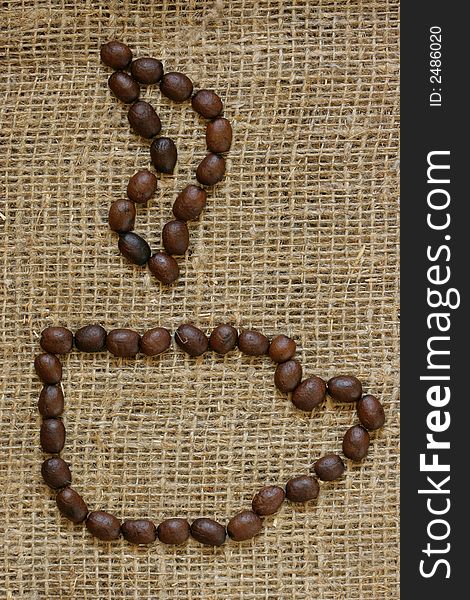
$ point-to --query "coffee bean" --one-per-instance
(191, 339)
(176, 86)
(147, 70)
(345, 388)
(175, 237)
(155, 341)
(52, 435)
(164, 267)
(190, 203)
(370, 412)
(356, 443)
(223, 339)
(144, 120)
(207, 103)
(288, 375)
(51, 401)
(56, 472)
(122, 216)
(173, 531)
(211, 169)
(219, 136)
(124, 87)
(103, 525)
(139, 531)
(309, 394)
(56, 340)
(329, 467)
(302, 488)
(163, 154)
(253, 343)
(142, 186)
(208, 532)
(71, 505)
(268, 500)
(123, 342)
(91, 338)
(116, 55)
(134, 248)
(244, 526)
(48, 368)
(282, 348)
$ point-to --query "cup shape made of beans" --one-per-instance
(191, 339)
(139, 531)
(56, 473)
(144, 120)
(116, 55)
(90, 338)
(48, 368)
(134, 248)
(268, 500)
(176, 86)
(302, 488)
(103, 525)
(56, 340)
(190, 203)
(370, 412)
(147, 70)
(155, 341)
(124, 87)
(253, 343)
(207, 103)
(71, 505)
(244, 526)
(164, 154)
(121, 217)
(164, 267)
(123, 342)
(329, 467)
(223, 339)
(309, 394)
(345, 388)
(141, 186)
(175, 237)
(288, 375)
(51, 401)
(52, 435)
(173, 531)
(356, 442)
(208, 532)
(219, 135)
(282, 348)
(211, 169)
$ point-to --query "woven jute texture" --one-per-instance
(300, 238)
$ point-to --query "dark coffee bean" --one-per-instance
(208, 532)
(124, 87)
(134, 248)
(345, 388)
(164, 267)
(123, 342)
(52, 435)
(356, 443)
(56, 473)
(219, 135)
(288, 375)
(211, 169)
(122, 216)
(370, 412)
(147, 70)
(139, 531)
(71, 505)
(191, 339)
(223, 339)
(116, 55)
(302, 488)
(190, 203)
(56, 340)
(244, 526)
(144, 120)
(329, 467)
(268, 500)
(173, 531)
(207, 103)
(282, 348)
(51, 401)
(142, 186)
(176, 86)
(310, 393)
(91, 338)
(48, 368)
(175, 237)
(155, 341)
(253, 343)
(103, 525)
(163, 154)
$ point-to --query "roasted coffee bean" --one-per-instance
(134, 248)
(345, 388)
(219, 135)
(122, 216)
(56, 472)
(56, 340)
(207, 103)
(223, 339)
(176, 86)
(329, 467)
(51, 401)
(211, 169)
(48, 368)
(103, 525)
(147, 70)
(370, 412)
(244, 526)
(191, 339)
(190, 203)
(173, 531)
(175, 237)
(288, 375)
(163, 154)
(268, 500)
(208, 532)
(91, 338)
(142, 186)
(253, 343)
(124, 87)
(52, 435)
(302, 488)
(282, 348)
(309, 394)
(71, 505)
(164, 267)
(139, 531)
(144, 120)
(116, 55)
(123, 342)
(155, 341)
(356, 443)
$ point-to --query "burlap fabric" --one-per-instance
(300, 237)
